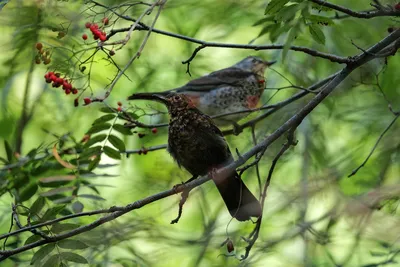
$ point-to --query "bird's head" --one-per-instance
(173, 101)
(254, 64)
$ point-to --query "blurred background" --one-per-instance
(314, 214)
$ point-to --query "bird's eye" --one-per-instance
(176, 98)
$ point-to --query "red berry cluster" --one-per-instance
(119, 106)
(42, 55)
(96, 31)
(57, 81)
(142, 151)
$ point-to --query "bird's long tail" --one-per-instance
(241, 203)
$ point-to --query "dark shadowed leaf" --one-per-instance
(111, 152)
(9, 151)
(104, 118)
(72, 244)
(52, 212)
(32, 239)
(96, 150)
(69, 256)
(122, 129)
(95, 139)
(53, 261)
(42, 252)
(28, 192)
(61, 178)
(108, 110)
(316, 33)
(274, 6)
(98, 128)
(56, 191)
(117, 143)
(37, 206)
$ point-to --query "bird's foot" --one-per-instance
(184, 197)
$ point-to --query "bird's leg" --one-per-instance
(184, 197)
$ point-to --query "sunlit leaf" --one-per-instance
(95, 139)
(104, 118)
(117, 143)
(99, 127)
(94, 197)
(274, 6)
(316, 33)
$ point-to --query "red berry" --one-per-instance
(74, 91)
(48, 80)
(67, 85)
(105, 21)
(144, 151)
(95, 37)
(84, 36)
(50, 73)
(46, 61)
(56, 84)
(93, 27)
(87, 25)
(57, 74)
(140, 152)
(154, 130)
(53, 77)
(76, 102)
(397, 6)
(141, 135)
(119, 108)
(112, 52)
(60, 81)
(103, 37)
(119, 103)
(87, 100)
(229, 246)
(67, 91)
(39, 46)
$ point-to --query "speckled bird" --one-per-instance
(228, 90)
(197, 144)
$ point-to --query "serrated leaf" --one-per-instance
(99, 127)
(62, 227)
(108, 110)
(72, 244)
(95, 139)
(56, 191)
(111, 152)
(117, 143)
(104, 118)
(274, 6)
(42, 252)
(122, 129)
(28, 192)
(53, 261)
(69, 256)
(316, 33)
(32, 238)
(77, 207)
(94, 197)
(37, 206)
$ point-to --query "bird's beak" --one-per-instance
(149, 96)
(269, 63)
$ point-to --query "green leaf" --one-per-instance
(42, 252)
(111, 152)
(53, 261)
(104, 118)
(61, 178)
(263, 20)
(108, 110)
(117, 143)
(77, 207)
(315, 19)
(274, 6)
(273, 36)
(28, 192)
(96, 150)
(63, 200)
(99, 127)
(37, 206)
(316, 33)
(32, 238)
(52, 212)
(288, 13)
(72, 244)
(62, 227)
(69, 256)
(122, 129)
(94, 163)
(95, 139)
(94, 197)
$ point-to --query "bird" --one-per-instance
(229, 90)
(197, 144)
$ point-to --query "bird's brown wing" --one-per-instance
(229, 76)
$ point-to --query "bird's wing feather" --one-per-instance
(229, 76)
